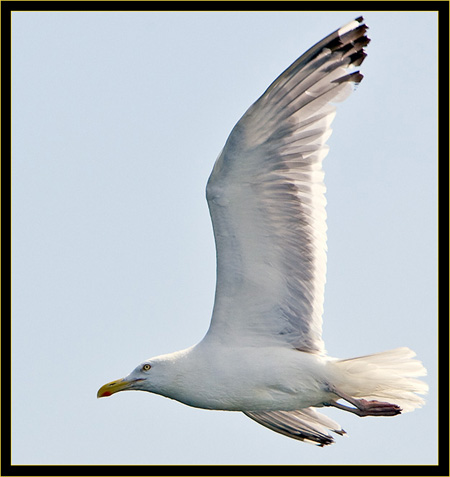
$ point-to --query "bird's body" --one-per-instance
(263, 353)
(227, 378)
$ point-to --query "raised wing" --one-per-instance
(267, 203)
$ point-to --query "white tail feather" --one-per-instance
(388, 376)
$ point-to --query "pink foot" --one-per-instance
(376, 408)
(362, 407)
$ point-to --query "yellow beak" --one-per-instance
(114, 387)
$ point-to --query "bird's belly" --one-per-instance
(251, 380)
(257, 400)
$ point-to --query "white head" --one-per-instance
(159, 375)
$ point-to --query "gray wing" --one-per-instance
(306, 425)
(267, 203)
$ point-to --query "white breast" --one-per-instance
(250, 378)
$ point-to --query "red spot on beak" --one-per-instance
(106, 394)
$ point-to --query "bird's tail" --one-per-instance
(388, 376)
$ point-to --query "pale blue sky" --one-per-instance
(117, 119)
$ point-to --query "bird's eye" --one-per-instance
(146, 367)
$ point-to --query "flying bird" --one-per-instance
(263, 353)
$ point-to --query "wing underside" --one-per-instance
(306, 425)
(267, 202)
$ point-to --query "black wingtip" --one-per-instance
(355, 77)
(357, 58)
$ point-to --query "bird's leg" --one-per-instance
(363, 407)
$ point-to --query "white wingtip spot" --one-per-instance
(349, 27)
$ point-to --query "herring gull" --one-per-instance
(263, 354)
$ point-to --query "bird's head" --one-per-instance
(139, 379)
(159, 375)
